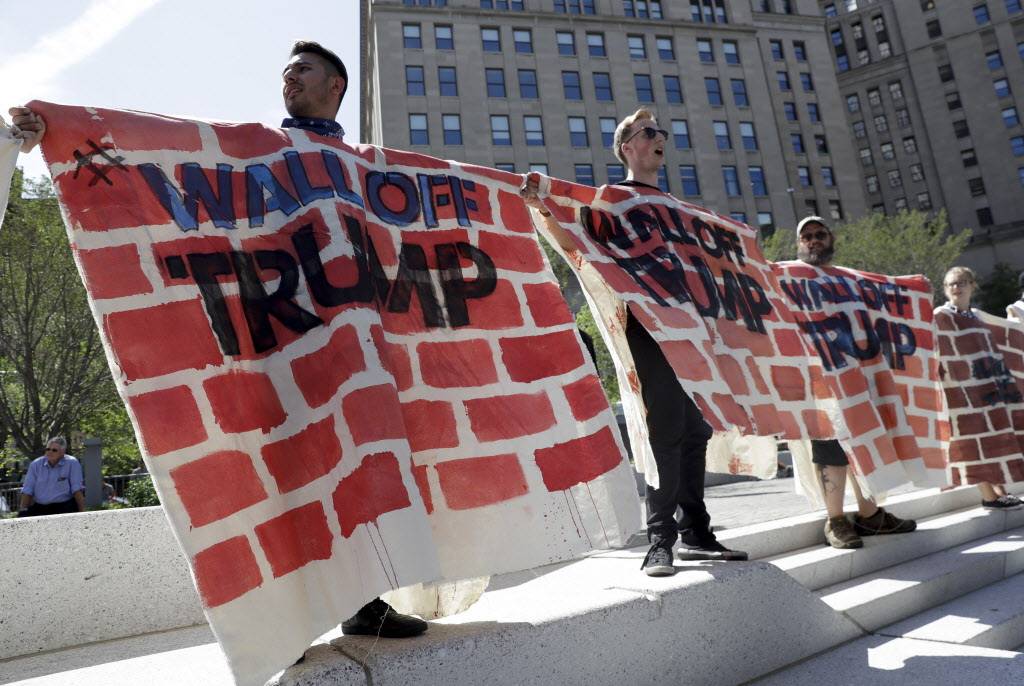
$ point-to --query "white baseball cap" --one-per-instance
(812, 220)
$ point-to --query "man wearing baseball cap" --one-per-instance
(816, 247)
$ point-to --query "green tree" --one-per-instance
(53, 372)
(904, 243)
(605, 365)
(141, 493)
(998, 290)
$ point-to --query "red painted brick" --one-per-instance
(981, 394)
(767, 420)
(373, 414)
(617, 277)
(394, 357)
(887, 451)
(934, 458)
(958, 370)
(304, 457)
(250, 140)
(430, 424)
(861, 418)
(514, 214)
(789, 382)
(502, 309)
(709, 412)
(789, 343)
(547, 306)
(514, 253)
(373, 488)
(970, 343)
(419, 472)
(955, 478)
(999, 418)
(586, 398)
(243, 401)
(479, 481)
(861, 460)
(998, 335)
(732, 412)
(457, 363)
(964, 450)
(1016, 469)
(564, 465)
(944, 322)
(853, 382)
(955, 398)
(733, 374)
(754, 373)
(817, 423)
(887, 412)
(686, 360)
(320, 373)
(671, 317)
(927, 399)
(168, 420)
(919, 425)
(584, 194)
(913, 367)
(1018, 420)
(1016, 340)
(295, 538)
(225, 571)
(736, 336)
(886, 386)
(946, 346)
(991, 472)
(154, 341)
(182, 247)
(217, 485)
(114, 272)
(503, 417)
(999, 445)
(820, 388)
(396, 157)
(943, 429)
(529, 358)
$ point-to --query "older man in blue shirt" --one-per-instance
(53, 484)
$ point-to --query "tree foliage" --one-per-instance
(904, 243)
(54, 377)
(605, 364)
(998, 290)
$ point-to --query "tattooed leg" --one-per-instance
(833, 484)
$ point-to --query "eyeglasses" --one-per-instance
(961, 284)
(650, 132)
(816, 236)
(53, 450)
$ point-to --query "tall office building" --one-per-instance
(930, 91)
(749, 97)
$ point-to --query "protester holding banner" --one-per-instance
(314, 83)
(676, 428)
(997, 386)
(816, 246)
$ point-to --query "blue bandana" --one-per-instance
(324, 127)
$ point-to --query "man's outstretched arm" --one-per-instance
(31, 126)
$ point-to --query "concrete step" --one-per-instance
(819, 566)
(776, 537)
(889, 595)
(991, 617)
(885, 661)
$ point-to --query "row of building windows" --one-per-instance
(779, 54)
(874, 97)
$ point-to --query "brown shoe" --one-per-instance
(840, 533)
(882, 523)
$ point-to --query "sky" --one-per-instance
(209, 59)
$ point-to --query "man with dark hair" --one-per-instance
(816, 246)
(676, 428)
(313, 85)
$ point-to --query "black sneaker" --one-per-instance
(882, 523)
(706, 547)
(377, 618)
(658, 561)
(1003, 502)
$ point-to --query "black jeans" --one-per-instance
(679, 440)
(42, 509)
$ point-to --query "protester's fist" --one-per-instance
(528, 191)
(28, 126)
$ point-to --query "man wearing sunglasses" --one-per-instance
(816, 246)
(676, 428)
(53, 483)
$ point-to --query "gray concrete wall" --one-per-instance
(79, 578)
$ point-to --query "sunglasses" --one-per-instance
(649, 132)
(53, 450)
(816, 236)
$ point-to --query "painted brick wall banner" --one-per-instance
(753, 354)
(983, 378)
(350, 369)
